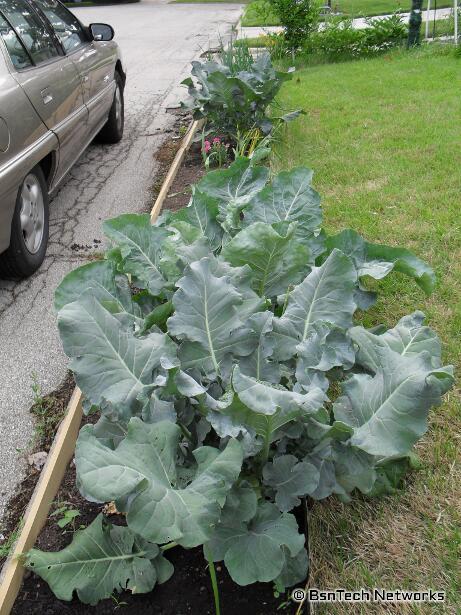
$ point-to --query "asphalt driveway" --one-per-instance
(158, 41)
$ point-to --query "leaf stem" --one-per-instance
(287, 296)
(265, 452)
(187, 434)
(214, 580)
(169, 545)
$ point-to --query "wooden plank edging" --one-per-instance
(63, 446)
(44, 493)
(179, 157)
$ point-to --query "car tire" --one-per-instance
(29, 228)
(112, 131)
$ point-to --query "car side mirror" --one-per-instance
(101, 32)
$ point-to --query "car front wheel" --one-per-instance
(29, 229)
(112, 131)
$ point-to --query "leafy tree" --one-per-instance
(298, 17)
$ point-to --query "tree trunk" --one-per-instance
(414, 28)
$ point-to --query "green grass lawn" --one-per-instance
(260, 13)
(383, 138)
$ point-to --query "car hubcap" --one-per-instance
(32, 214)
(118, 108)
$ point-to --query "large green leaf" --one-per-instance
(265, 398)
(142, 473)
(326, 347)
(233, 188)
(254, 552)
(241, 504)
(290, 479)
(109, 362)
(409, 337)
(290, 198)
(378, 260)
(294, 571)
(258, 363)
(269, 408)
(201, 213)
(275, 257)
(342, 467)
(207, 318)
(326, 294)
(241, 278)
(140, 245)
(354, 468)
(101, 559)
(101, 277)
(389, 410)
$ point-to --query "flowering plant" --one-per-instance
(214, 152)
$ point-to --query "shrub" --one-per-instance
(213, 346)
(338, 39)
(382, 34)
(299, 19)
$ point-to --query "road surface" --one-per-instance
(158, 42)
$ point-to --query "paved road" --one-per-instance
(158, 41)
(359, 23)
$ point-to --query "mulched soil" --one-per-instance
(189, 589)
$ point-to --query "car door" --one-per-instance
(52, 82)
(24, 138)
(95, 61)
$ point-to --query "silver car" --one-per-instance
(61, 85)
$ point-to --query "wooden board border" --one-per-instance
(63, 446)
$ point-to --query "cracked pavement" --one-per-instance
(158, 42)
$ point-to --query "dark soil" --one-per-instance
(48, 412)
(191, 171)
(188, 592)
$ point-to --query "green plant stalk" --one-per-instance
(265, 452)
(187, 434)
(214, 580)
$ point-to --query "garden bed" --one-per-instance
(187, 592)
(189, 589)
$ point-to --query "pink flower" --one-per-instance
(207, 146)
(216, 140)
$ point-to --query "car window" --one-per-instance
(30, 29)
(66, 26)
(19, 56)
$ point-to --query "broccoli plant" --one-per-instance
(219, 349)
(235, 102)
